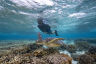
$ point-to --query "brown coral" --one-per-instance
(43, 52)
(35, 54)
(41, 56)
(82, 45)
(92, 52)
(85, 59)
(59, 59)
(39, 53)
(71, 48)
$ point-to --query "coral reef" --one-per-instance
(71, 48)
(21, 59)
(20, 50)
(63, 47)
(34, 46)
(39, 53)
(58, 59)
(75, 56)
(42, 52)
(92, 52)
(25, 55)
(82, 45)
(57, 52)
(90, 40)
(85, 59)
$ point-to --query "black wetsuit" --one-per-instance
(45, 28)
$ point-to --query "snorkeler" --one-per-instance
(45, 27)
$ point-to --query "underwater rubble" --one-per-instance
(57, 52)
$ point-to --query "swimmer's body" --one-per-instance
(45, 27)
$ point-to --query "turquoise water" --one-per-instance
(74, 20)
(71, 18)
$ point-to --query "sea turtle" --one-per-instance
(49, 42)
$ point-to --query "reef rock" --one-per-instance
(34, 46)
(92, 52)
(42, 52)
(82, 45)
(85, 59)
(71, 48)
(39, 53)
(59, 59)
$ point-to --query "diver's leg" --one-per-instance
(55, 32)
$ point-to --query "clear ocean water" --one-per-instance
(74, 20)
(71, 18)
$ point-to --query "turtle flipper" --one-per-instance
(55, 40)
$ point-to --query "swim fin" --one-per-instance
(56, 33)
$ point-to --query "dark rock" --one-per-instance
(82, 45)
(34, 46)
(71, 48)
(75, 56)
(85, 59)
(92, 50)
(63, 47)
